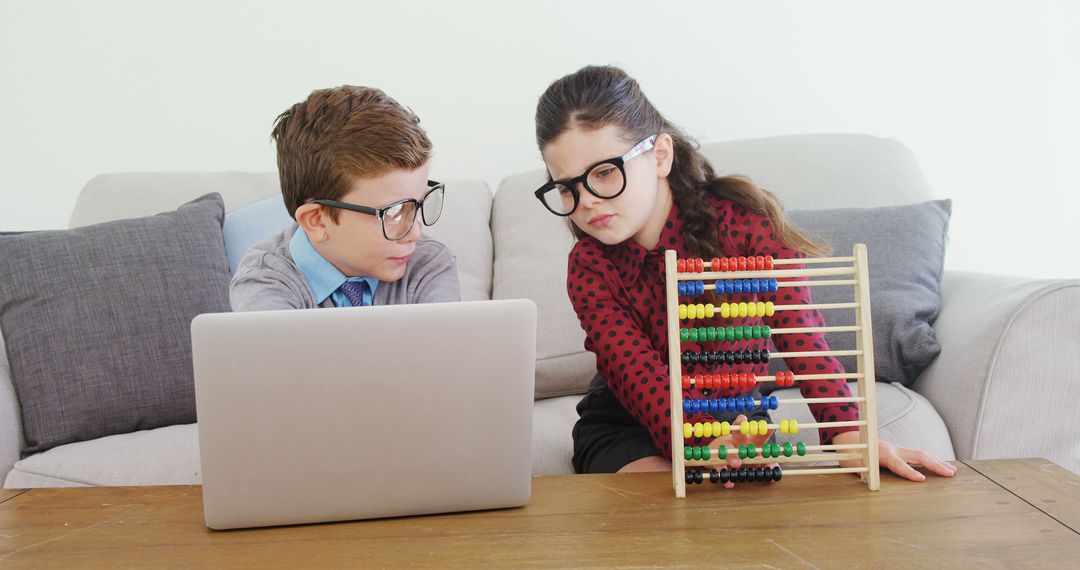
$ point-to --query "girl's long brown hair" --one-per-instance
(597, 96)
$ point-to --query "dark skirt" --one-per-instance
(607, 437)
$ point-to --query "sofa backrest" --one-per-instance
(805, 171)
(510, 247)
(463, 226)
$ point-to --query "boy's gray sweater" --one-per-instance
(268, 279)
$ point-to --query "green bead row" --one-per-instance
(696, 452)
(771, 450)
(703, 452)
(709, 334)
(800, 449)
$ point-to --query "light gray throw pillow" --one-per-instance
(906, 252)
(96, 321)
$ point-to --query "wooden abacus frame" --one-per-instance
(867, 449)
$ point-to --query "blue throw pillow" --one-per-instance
(247, 226)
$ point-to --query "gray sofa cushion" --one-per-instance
(96, 321)
(806, 171)
(906, 255)
(531, 250)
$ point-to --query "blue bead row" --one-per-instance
(729, 286)
(720, 405)
(737, 286)
(691, 287)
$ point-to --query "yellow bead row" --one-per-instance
(754, 427)
(727, 310)
(789, 426)
(707, 429)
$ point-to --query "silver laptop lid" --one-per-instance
(337, 414)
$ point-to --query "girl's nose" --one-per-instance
(586, 199)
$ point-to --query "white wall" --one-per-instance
(984, 92)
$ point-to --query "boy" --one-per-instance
(353, 165)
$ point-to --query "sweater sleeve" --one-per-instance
(753, 234)
(634, 369)
(258, 288)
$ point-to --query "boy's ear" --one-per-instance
(312, 219)
(664, 150)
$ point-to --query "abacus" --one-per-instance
(687, 279)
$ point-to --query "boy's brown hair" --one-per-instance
(338, 135)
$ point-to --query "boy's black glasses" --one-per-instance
(605, 179)
(398, 218)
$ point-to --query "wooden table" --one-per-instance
(1002, 513)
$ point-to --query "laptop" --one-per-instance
(353, 413)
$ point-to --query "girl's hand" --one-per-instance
(733, 442)
(899, 459)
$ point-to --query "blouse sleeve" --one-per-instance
(635, 370)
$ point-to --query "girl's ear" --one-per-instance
(664, 149)
(312, 220)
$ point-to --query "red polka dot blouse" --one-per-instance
(618, 294)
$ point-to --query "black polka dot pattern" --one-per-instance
(618, 294)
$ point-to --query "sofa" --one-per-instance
(1007, 343)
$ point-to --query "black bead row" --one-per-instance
(725, 356)
(740, 475)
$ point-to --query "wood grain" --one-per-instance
(1043, 484)
(583, 521)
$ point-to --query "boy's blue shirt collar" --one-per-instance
(322, 276)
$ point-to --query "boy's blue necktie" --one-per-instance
(355, 291)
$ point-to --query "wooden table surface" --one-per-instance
(999, 513)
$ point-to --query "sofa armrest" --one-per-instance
(11, 434)
(1007, 381)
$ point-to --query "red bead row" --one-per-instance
(752, 263)
(785, 378)
(725, 381)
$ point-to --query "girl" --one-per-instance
(633, 185)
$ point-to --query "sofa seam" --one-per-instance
(907, 410)
(563, 355)
(54, 477)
